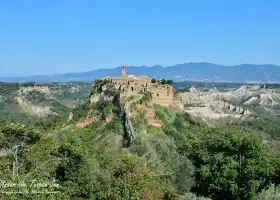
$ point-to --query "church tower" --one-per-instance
(123, 71)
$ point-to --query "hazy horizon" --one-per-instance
(70, 72)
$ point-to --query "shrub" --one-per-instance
(146, 98)
(163, 81)
(169, 82)
(272, 193)
(153, 129)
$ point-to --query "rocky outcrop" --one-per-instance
(226, 108)
(41, 89)
(101, 105)
(213, 90)
(231, 105)
(85, 122)
(95, 98)
(32, 109)
(254, 95)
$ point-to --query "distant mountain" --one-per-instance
(207, 72)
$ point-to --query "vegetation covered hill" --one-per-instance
(91, 156)
(30, 102)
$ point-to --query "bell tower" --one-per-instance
(123, 71)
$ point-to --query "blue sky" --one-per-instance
(47, 37)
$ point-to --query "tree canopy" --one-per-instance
(229, 164)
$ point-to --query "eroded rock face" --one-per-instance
(94, 98)
(251, 101)
(237, 104)
(41, 89)
(225, 107)
(102, 92)
(32, 109)
(85, 122)
(254, 95)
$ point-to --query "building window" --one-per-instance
(132, 89)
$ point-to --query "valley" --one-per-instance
(153, 138)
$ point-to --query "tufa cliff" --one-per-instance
(129, 99)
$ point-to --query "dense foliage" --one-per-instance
(181, 159)
(162, 81)
(28, 107)
(8, 88)
(231, 165)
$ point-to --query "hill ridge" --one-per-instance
(192, 71)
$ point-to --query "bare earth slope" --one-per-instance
(216, 108)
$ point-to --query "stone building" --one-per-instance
(162, 94)
(130, 85)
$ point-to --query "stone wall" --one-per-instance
(131, 85)
(162, 94)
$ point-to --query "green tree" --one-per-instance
(28, 84)
(127, 178)
(229, 164)
(153, 80)
(163, 81)
(272, 193)
(14, 139)
(73, 172)
(169, 82)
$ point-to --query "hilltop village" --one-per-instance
(130, 85)
(132, 90)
